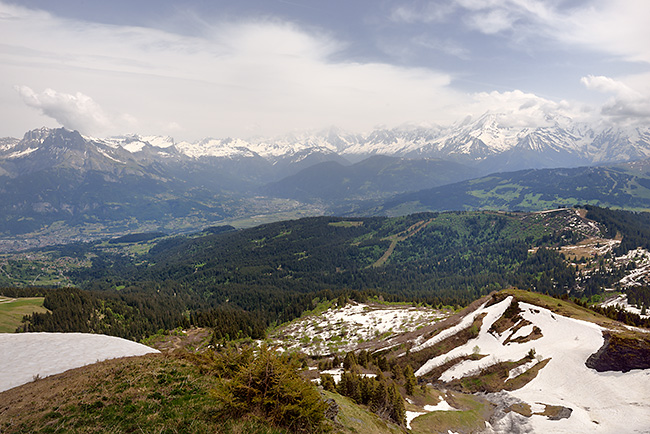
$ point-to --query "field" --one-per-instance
(12, 311)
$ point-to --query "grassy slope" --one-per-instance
(155, 393)
(12, 312)
(356, 419)
(534, 190)
(471, 417)
(167, 393)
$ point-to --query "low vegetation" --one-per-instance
(231, 391)
(472, 413)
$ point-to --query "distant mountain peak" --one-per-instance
(493, 141)
(44, 132)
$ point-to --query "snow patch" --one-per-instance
(601, 402)
(105, 154)
(343, 329)
(159, 141)
(441, 406)
(135, 146)
(410, 415)
(24, 356)
(515, 372)
(465, 323)
(19, 154)
(484, 341)
(621, 302)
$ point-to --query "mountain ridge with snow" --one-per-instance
(557, 143)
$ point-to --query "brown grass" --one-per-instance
(555, 412)
(504, 323)
(494, 378)
(155, 393)
(536, 333)
(522, 408)
(190, 340)
(526, 377)
(565, 308)
(435, 373)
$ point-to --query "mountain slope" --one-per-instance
(274, 272)
(624, 186)
(57, 186)
(491, 142)
(375, 177)
(527, 354)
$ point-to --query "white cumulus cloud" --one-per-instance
(627, 106)
(74, 111)
(526, 110)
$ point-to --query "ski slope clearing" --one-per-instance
(347, 328)
(25, 357)
(564, 395)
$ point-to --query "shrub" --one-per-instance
(270, 385)
(328, 383)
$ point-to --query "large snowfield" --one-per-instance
(24, 356)
(601, 402)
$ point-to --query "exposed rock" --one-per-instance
(621, 353)
(332, 411)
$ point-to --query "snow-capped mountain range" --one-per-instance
(488, 142)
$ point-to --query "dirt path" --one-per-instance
(394, 239)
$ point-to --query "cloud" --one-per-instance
(486, 16)
(77, 112)
(427, 12)
(526, 110)
(445, 45)
(236, 78)
(491, 22)
(617, 27)
(609, 85)
(626, 107)
(269, 76)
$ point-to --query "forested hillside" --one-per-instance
(240, 282)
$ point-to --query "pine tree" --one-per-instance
(410, 380)
(328, 383)
(363, 358)
(397, 409)
(350, 361)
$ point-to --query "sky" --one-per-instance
(225, 68)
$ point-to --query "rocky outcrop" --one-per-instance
(621, 353)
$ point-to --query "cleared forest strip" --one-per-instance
(394, 239)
